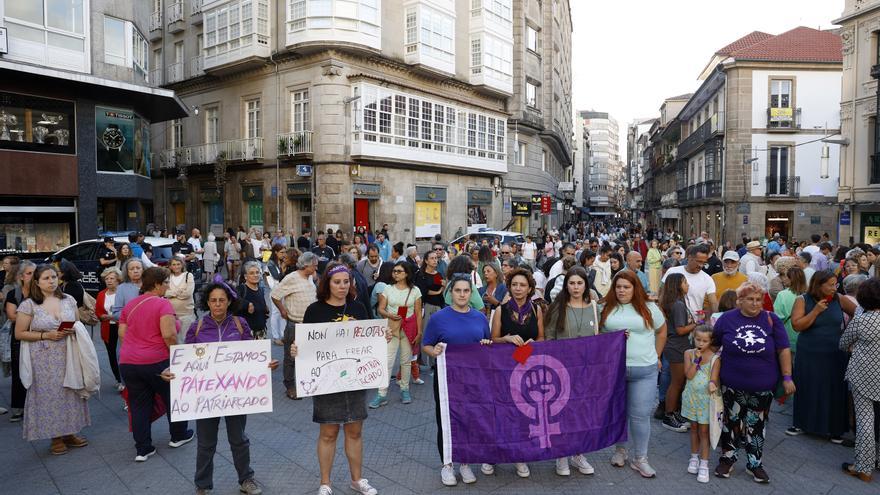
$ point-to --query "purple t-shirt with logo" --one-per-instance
(749, 346)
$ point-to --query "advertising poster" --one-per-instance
(427, 219)
(123, 141)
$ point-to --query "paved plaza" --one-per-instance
(400, 457)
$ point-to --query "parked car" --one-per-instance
(503, 236)
(84, 255)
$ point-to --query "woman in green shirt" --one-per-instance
(795, 283)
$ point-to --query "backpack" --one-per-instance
(87, 313)
(235, 319)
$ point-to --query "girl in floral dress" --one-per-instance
(698, 365)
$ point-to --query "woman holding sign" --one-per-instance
(220, 325)
(336, 302)
(454, 324)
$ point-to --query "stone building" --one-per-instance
(859, 190)
(607, 183)
(541, 120)
(309, 115)
(76, 107)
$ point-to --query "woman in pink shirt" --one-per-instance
(147, 328)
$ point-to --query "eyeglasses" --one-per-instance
(398, 271)
(438, 249)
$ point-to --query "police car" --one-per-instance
(85, 255)
(503, 237)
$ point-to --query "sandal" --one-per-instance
(58, 447)
(74, 441)
(850, 470)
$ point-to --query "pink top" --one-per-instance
(143, 342)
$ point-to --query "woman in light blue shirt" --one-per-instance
(626, 308)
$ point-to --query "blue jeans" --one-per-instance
(665, 378)
(641, 381)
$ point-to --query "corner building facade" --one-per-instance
(308, 115)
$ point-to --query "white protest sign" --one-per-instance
(341, 356)
(220, 379)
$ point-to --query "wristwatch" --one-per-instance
(113, 139)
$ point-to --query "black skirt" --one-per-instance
(340, 408)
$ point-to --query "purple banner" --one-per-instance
(567, 398)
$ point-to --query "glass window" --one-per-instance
(300, 114)
(47, 32)
(36, 232)
(531, 39)
(29, 123)
(176, 134)
(114, 41)
(252, 122)
(66, 15)
(531, 94)
(212, 124)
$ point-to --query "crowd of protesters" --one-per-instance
(748, 323)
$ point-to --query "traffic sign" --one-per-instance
(845, 218)
(304, 170)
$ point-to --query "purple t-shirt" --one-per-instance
(749, 346)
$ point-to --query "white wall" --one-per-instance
(817, 93)
(806, 162)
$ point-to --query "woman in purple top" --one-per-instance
(754, 352)
(220, 324)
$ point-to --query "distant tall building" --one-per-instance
(607, 185)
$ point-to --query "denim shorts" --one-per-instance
(340, 408)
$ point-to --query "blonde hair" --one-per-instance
(748, 288)
(112, 271)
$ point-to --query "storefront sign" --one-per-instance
(218, 379)
(845, 218)
(299, 190)
(123, 141)
(479, 197)
(341, 356)
(565, 187)
(367, 191)
(435, 194)
(521, 208)
(870, 227)
(536, 202)
(546, 205)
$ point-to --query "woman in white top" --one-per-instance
(211, 256)
(181, 285)
(112, 277)
(233, 255)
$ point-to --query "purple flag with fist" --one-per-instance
(557, 399)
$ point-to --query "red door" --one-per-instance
(362, 213)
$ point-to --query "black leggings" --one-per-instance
(19, 393)
(111, 350)
(437, 414)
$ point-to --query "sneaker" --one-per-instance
(562, 468)
(670, 422)
(794, 431)
(180, 443)
(758, 474)
(580, 462)
(522, 469)
(144, 457)
(16, 417)
(447, 476)
(641, 465)
(660, 412)
(363, 486)
(693, 465)
(467, 476)
(378, 401)
(487, 469)
(250, 487)
(419, 381)
(405, 397)
(703, 474)
(836, 440)
(119, 387)
(724, 468)
(325, 490)
(619, 458)
(3, 411)
(684, 421)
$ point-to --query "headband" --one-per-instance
(338, 269)
(218, 279)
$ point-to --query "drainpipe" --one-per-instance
(279, 222)
(855, 83)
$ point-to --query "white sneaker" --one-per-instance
(703, 473)
(447, 475)
(562, 467)
(325, 490)
(419, 381)
(363, 486)
(467, 476)
(522, 469)
(143, 458)
(580, 462)
(619, 458)
(487, 469)
(693, 464)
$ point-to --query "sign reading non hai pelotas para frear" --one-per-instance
(341, 356)
(220, 379)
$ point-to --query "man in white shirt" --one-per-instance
(529, 251)
(195, 241)
(751, 261)
(557, 269)
(602, 266)
(701, 287)
(814, 248)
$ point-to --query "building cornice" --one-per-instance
(857, 13)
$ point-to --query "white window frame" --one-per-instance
(176, 134)
(123, 59)
(136, 48)
(212, 124)
(12, 23)
(519, 155)
(532, 94)
(300, 110)
(543, 160)
(252, 118)
(533, 42)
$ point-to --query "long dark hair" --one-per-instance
(235, 302)
(460, 264)
(323, 293)
(560, 303)
(639, 299)
(671, 293)
(408, 270)
(485, 254)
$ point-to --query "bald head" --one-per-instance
(634, 260)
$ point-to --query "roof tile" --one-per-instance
(801, 44)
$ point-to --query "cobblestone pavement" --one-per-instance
(400, 457)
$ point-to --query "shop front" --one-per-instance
(366, 197)
(870, 228)
(778, 222)
(212, 209)
(430, 203)
(33, 230)
(299, 197)
(253, 206)
(521, 211)
(479, 205)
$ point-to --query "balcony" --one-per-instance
(196, 66)
(174, 17)
(248, 47)
(704, 190)
(295, 143)
(174, 73)
(708, 130)
(783, 119)
(248, 149)
(783, 187)
(195, 12)
(156, 78)
(156, 25)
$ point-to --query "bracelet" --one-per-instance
(786, 378)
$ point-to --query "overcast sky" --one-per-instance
(628, 56)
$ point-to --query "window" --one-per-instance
(176, 134)
(412, 30)
(781, 113)
(531, 94)
(124, 45)
(476, 55)
(777, 173)
(531, 39)
(252, 118)
(543, 160)
(48, 32)
(212, 124)
(491, 56)
(520, 154)
(436, 34)
(349, 19)
(29, 123)
(300, 114)
(114, 41)
(238, 24)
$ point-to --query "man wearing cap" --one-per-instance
(730, 278)
(751, 261)
(183, 248)
(107, 253)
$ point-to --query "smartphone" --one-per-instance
(66, 326)
(401, 311)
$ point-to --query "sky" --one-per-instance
(628, 56)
